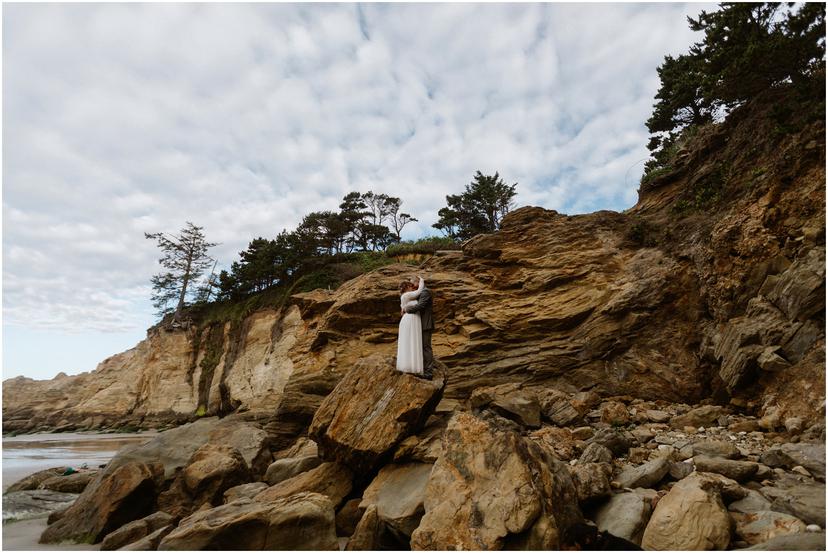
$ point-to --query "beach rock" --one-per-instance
(644, 476)
(210, 471)
(625, 515)
(33, 481)
(557, 440)
(595, 453)
(680, 469)
(26, 504)
(510, 401)
(792, 542)
(808, 455)
(70, 483)
(716, 448)
(617, 441)
(424, 447)
(657, 416)
(490, 486)
(135, 530)
(282, 469)
(761, 526)
(557, 408)
(370, 411)
(751, 503)
(332, 480)
(150, 542)
(244, 491)
(368, 533)
(804, 501)
(348, 516)
(301, 521)
(735, 470)
(591, 480)
(398, 491)
(615, 413)
(107, 503)
(173, 448)
(706, 415)
(691, 516)
(302, 447)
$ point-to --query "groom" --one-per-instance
(423, 307)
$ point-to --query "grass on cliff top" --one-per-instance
(330, 276)
(422, 246)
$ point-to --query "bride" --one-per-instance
(410, 338)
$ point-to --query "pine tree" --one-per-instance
(479, 209)
(184, 259)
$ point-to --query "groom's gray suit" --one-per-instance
(423, 307)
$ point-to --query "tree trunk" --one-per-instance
(180, 305)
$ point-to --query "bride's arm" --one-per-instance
(416, 293)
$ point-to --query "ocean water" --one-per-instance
(25, 454)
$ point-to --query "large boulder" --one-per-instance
(113, 499)
(211, 471)
(493, 488)
(691, 516)
(333, 480)
(368, 533)
(808, 455)
(173, 448)
(625, 515)
(706, 415)
(301, 521)
(370, 411)
(398, 492)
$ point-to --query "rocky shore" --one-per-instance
(389, 462)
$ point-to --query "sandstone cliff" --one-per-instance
(712, 286)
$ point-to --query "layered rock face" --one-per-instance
(673, 299)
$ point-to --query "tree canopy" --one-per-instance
(185, 260)
(746, 48)
(479, 209)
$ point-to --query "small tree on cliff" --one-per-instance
(184, 258)
(479, 209)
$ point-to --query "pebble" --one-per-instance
(813, 528)
(801, 470)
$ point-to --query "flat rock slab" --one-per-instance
(26, 504)
(762, 526)
(645, 476)
(735, 470)
(301, 522)
(333, 480)
(371, 410)
(33, 481)
(625, 515)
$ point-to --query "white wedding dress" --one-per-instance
(410, 338)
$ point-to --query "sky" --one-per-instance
(120, 119)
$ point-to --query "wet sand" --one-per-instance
(23, 536)
(29, 453)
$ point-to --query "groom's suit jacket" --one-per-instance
(423, 307)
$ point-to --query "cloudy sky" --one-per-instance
(126, 118)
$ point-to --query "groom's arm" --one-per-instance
(425, 297)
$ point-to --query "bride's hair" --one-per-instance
(405, 285)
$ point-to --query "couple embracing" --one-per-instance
(414, 354)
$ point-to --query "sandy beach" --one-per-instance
(23, 536)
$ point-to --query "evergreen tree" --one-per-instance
(479, 209)
(184, 259)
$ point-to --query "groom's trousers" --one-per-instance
(428, 355)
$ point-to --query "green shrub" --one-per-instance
(422, 246)
(643, 233)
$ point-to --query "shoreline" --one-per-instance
(22, 535)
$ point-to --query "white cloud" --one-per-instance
(125, 118)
